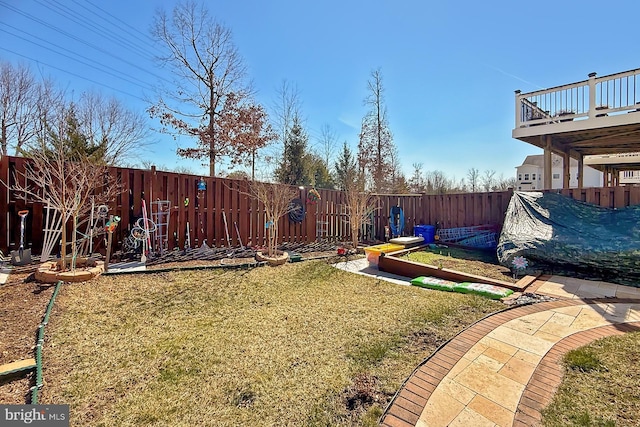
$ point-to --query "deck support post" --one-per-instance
(566, 169)
(547, 169)
(580, 170)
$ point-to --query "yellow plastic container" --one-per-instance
(373, 252)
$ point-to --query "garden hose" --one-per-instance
(297, 211)
(39, 343)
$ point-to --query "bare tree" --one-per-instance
(488, 180)
(65, 180)
(276, 199)
(437, 182)
(107, 122)
(208, 72)
(106, 129)
(25, 104)
(503, 183)
(398, 182)
(286, 106)
(376, 148)
(416, 182)
(359, 205)
(473, 176)
(328, 143)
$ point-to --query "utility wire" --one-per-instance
(72, 73)
(71, 36)
(146, 86)
(149, 41)
(95, 26)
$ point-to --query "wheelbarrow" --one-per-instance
(22, 256)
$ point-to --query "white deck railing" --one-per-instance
(596, 97)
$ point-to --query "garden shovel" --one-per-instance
(22, 256)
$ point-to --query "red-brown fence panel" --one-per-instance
(200, 213)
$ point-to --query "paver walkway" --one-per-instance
(504, 369)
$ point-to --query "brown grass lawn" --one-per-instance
(600, 387)
(300, 344)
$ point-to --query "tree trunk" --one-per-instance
(3, 137)
(253, 164)
(63, 249)
(212, 145)
(74, 249)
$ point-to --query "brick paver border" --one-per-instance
(407, 405)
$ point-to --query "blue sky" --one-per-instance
(449, 68)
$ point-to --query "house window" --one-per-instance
(556, 176)
(533, 176)
(526, 177)
(519, 177)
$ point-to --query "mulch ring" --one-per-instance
(207, 256)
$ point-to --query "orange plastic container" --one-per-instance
(373, 252)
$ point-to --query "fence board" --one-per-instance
(619, 197)
(605, 197)
(634, 196)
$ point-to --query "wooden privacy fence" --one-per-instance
(204, 212)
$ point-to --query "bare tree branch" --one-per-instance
(208, 71)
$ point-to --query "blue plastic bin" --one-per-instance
(427, 232)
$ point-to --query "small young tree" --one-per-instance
(276, 199)
(360, 205)
(65, 178)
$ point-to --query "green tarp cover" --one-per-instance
(560, 235)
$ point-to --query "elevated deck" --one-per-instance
(595, 117)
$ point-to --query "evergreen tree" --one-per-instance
(70, 137)
(317, 173)
(292, 168)
(345, 168)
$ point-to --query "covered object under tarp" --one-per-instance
(560, 235)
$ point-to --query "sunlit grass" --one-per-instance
(269, 346)
(600, 386)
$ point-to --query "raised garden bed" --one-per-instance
(455, 264)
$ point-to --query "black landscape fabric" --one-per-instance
(558, 234)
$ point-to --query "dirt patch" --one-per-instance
(23, 305)
(480, 263)
(423, 342)
(363, 392)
